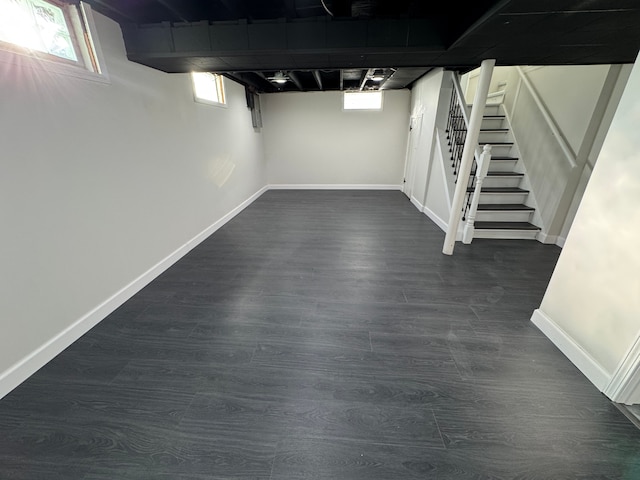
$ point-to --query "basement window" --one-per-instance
(362, 100)
(48, 30)
(208, 88)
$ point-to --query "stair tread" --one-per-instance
(499, 190)
(491, 117)
(505, 226)
(484, 130)
(504, 158)
(489, 143)
(504, 207)
(504, 174)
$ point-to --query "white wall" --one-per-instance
(570, 94)
(100, 182)
(592, 305)
(309, 139)
(425, 98)
(430, 171)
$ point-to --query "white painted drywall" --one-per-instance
(310, 139)
(102, 181)
(570, 93)
(594, 293)
(438, 197)
(425, 99)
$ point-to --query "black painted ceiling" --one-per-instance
(342, 44)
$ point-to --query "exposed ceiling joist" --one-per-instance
(364, 79)
(294, 78)
(318, 79)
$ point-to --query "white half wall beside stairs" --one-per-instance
(591, 309)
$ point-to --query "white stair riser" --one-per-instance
(494, 123)
(502, 165)
(502, 197)
(500, 216)
(499, 150)
(492, 110)
(489, 137)
(501, 181)
(506, 234)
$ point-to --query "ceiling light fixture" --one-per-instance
(377, 78)
(280, 78)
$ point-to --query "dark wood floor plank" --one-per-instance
(319, 459)
(322, 335)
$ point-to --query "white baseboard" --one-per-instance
(416, 203)
(550, 239)
(23, 369)
(435, 218)
(624, 386)
(337, 186)
(442, 224)
(574, 352)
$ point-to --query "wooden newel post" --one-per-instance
(481, 173)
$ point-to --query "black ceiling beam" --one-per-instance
(105, 7)
(320, 38)
(173, 10)
(341, 8)
(233, 8)
(489, 14)
(250, 80)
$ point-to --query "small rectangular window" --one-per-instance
(208, 88)
(47, 29)
(362, 100)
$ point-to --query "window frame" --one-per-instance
(351, 92)
(220, 90)
(82, 29)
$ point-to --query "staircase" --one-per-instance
(505, 209)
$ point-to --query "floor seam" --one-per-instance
(435, 419)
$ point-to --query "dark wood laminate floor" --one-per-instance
(322, 335)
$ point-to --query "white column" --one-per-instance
(470, 144)
(481, 172)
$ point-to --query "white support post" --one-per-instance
(470, 144)
(481, 172)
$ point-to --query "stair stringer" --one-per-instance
(520, 167)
